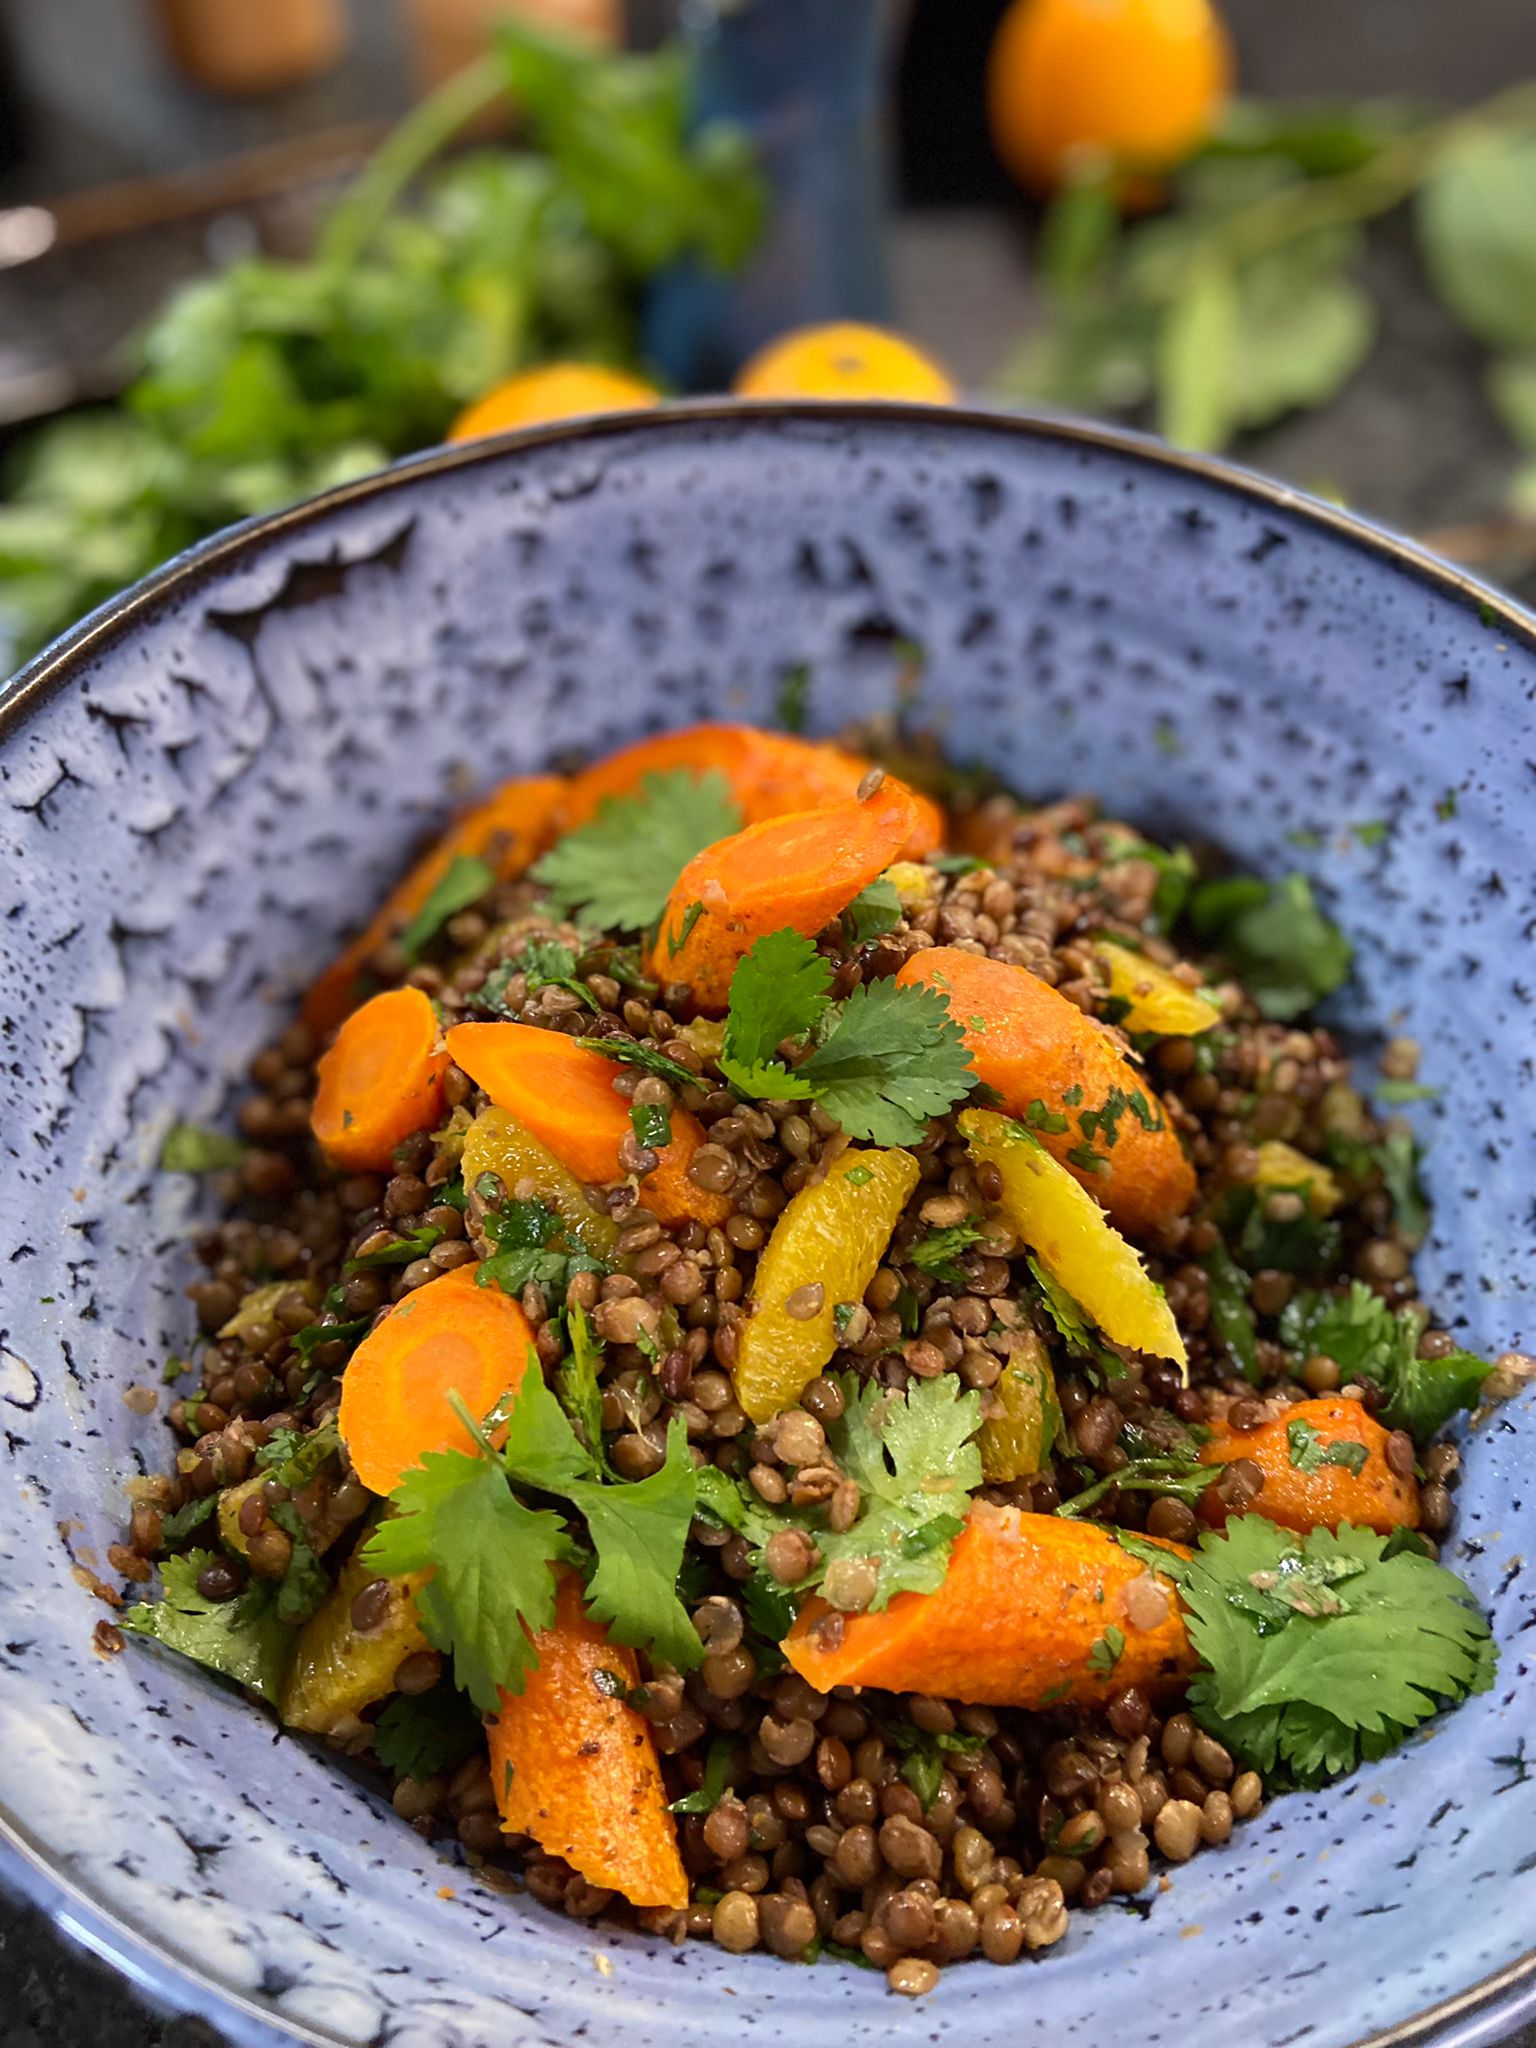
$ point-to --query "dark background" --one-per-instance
(1411, 440)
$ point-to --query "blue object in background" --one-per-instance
(807, 79)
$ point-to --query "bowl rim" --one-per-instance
(1481, 2015)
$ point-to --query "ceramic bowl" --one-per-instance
(209, 781)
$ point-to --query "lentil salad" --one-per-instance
(820, 1361)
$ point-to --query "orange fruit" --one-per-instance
(843, 360)
(558, 391)
(1072, 82)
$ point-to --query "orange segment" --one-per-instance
(1155, 999)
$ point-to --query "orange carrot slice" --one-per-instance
(1033, 1610)
(797, 871)
(1063, 1075)
(769, 773)
(564, 1094)
(449, 1336)
(508, 831)
(381, 1080)
(576, 1768)
(1374, 1497)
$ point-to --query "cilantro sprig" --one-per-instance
(1367, 1341)
(243, 1639)
(617, 870)
(1286, 952)
(462, 1517)
(882, 1062)
(1324, 1651)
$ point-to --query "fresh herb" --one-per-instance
(770, 1611)
(314, 1336)
(184, 1520)
(955, 863)
(1372, 833)
(1176, 1473)
(491, 1555)
(1393, 1091)
(426, 1734)
(1322, 1651)
(676, 940)
(1287, 954)
(294, 1456)
(576, 1384)
(883, 1062)
(1398, 1157)
(464, 881)
(858, 1176)
(715, 1783)
(542, 963)
(651, 1123)
(925, 1756)
(1445, 807)
(1105, 1653)
(190, 1149)
(794, 696)
(242, 1638)
(639, 1052)
(306, 1582)
(873, 912)
(529, 1243)
(1308, 1452)
(617, 870)
(1301, 1243)
(402, 1252)
(1367, 1341)
(1039, 1118)
(172, 1370)
(1231, 1316)
(936, 1253)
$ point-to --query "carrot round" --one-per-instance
(381, 1080)
(576, 1768)
(1033, 1610)
(564, 1094)
(1302, 1491)
(769, 773)
(1061, 1074)
(450, 1336)
(797, 871)
(508, 830)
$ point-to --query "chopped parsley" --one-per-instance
(188, 1148)
(1308, 1452)
(617, 870)
(1039, 1118)
(464, 881)
(651, 1123)
(1106, 1652)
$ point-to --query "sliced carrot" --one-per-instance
(1375, 1497)
(381, 1080)
(564, 1094)
(770, 773)
(1033, 1610)
(797, 871)
(1063, 1075)
(576, 1768)
(450, 1336)
(508, 830)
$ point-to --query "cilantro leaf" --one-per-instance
(242, 1638)
(779, 991)
(422, 1735)
(528, 1244)
(1105, 1653)
(1282, 947)
(617, 870)
(543, 963)
(651, 1124)
(1368, 1342)
(894, 1058)
(639, 1532)
(1308, 1452)
(1231, 1315)
(716, 1769)
(924, 1756)
(184, 1520)
(414, 1245)
(873, 912)
(639, 1052)
(464, 881)
(1323, 1651)
(491, 1560)
(188, 1148)
(576, 1384)
(916, 1464)
(306, 1581)
(936, 1253)
(296, 1455)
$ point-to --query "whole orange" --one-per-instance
(1071, 83)
(843, 360)
(558, 391)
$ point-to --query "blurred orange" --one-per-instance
(1071, 83)
(843, 360)
(558, 391)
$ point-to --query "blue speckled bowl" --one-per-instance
(205, 784)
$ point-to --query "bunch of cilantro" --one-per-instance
(494, 1527)
(1321, 1652)
(270, 381)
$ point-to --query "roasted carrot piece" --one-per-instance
(1305, 1488)
(1062, 1074)
(564, 1094)
(769, 773)
(381, 1080)
(796, 871)
(508, 831)
(576, 1768)
(1033, 1610)
(449, 1336)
